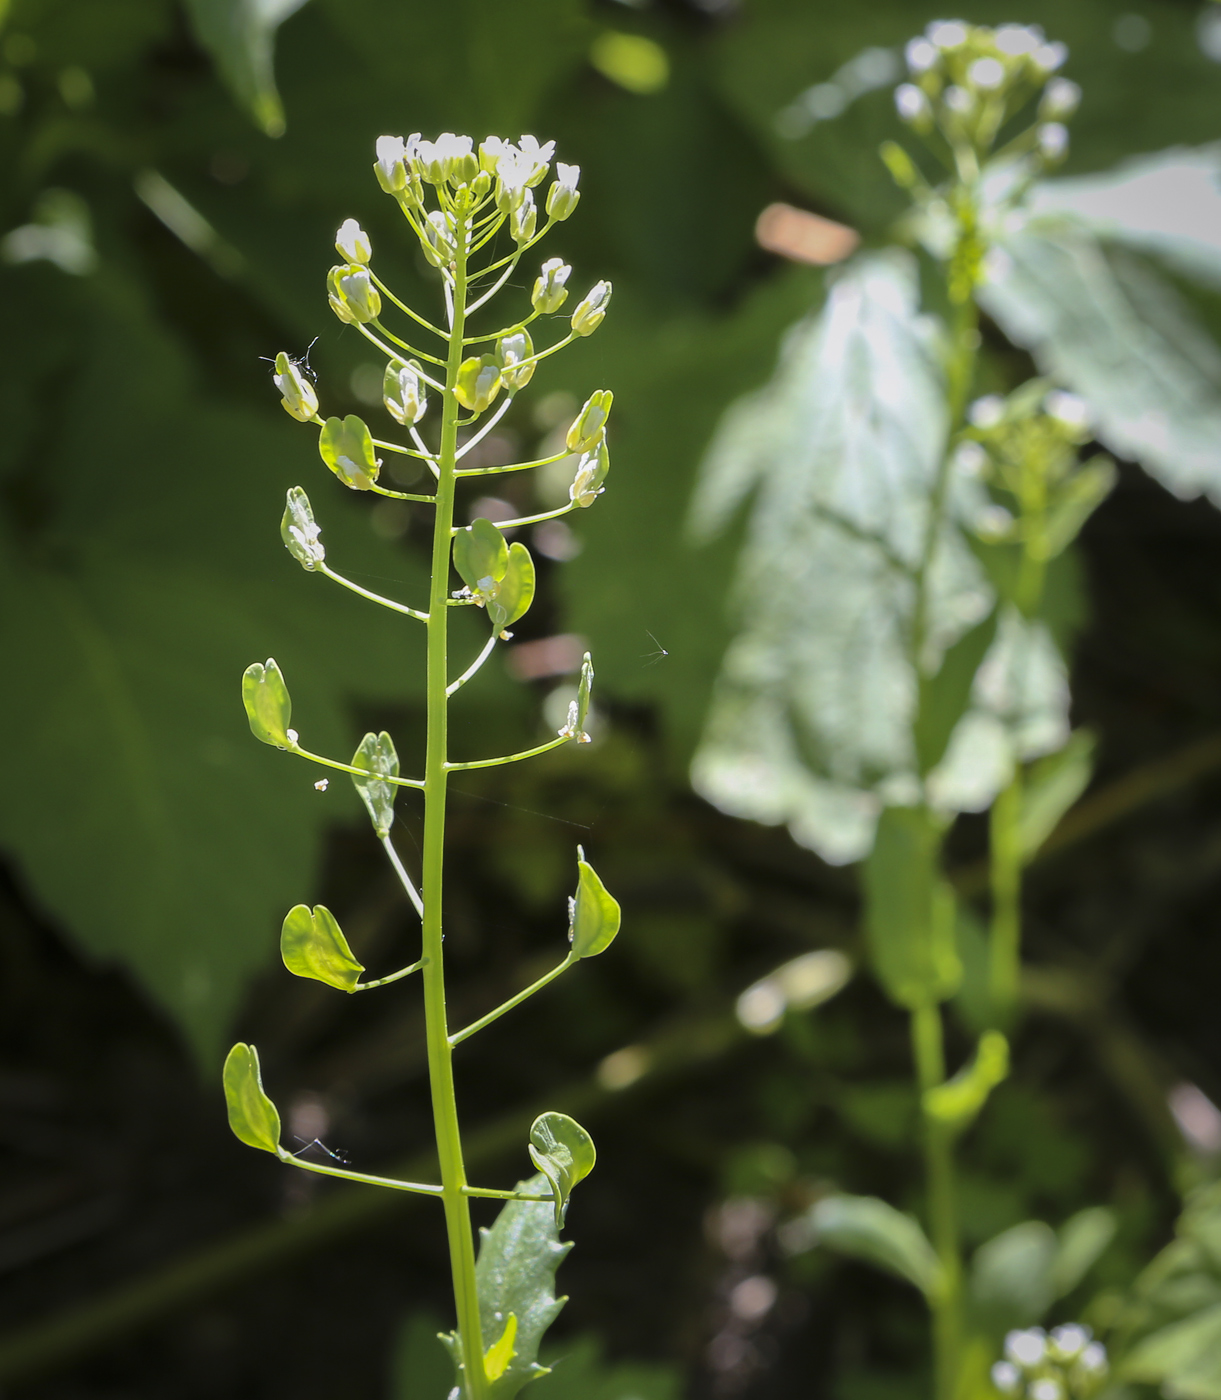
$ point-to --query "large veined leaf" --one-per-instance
(152, 827)
(812, 718)
(240, 35)
(1106, 325)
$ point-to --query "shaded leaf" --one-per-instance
(240, 36)
(1010, 1282)
(867, 1228)
(252, 1115)
(564, 1152)
(1083, 1237)
(1051, 787)
(515, 1275)
(312, 945)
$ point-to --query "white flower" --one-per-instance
(1060, 99)
(1006, 1377)
(911, 103)
(539, 157)
(438, 158)
(971, 459)
(353, 242)
(947, 33)
(1074, 411)
(1093, 1359)
(391, 155)
(563, 195)
(986, 73)
(987, 412)
(514, 171)
(1053, 140)
(1018, 39)
(1026, 1348)
(1068, 1341)
(1049, 57)
(921, 55)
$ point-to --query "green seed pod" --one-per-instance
(403, 392)
(299, 399)
(300, 532)
(592, 311)
(510, 351)
(351, 295)
(376, 755)
(268, 707)
(478, 382)
(564, 1152)
(481, 557)
(346, 446)
(312, 945)
(591, 473)
(589, 424)
(252, 1115)
(593, 914)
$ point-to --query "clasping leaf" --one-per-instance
(376, 755)
(252, 1115)
(867, 1228)
(593, 914)
(497, 1357)
(312, 945)
(268, 707)
(564, 1152)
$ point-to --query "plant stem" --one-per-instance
(440, 1053)
(943, 1222)
(1004, 951)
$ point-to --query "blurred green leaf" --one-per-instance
(240, 35)
(1051, 787)
(957, 1102)
(1184, 1358)
(515, 1274)
(869, 1229)
(1010, 1282)
(1083, 1237)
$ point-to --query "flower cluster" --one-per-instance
(1066, 1364)
(967, 81)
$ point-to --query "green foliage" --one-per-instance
(869, 1229)
(252, 1115)
(515, 1272)
(958, 1101)
(240, 35)
(1052, 785)
(312, 945)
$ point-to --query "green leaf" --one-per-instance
(564, 1152)
(1184, 1357)
(910, 910)
(252, 1115)
(481, 556)
(1051, 787)
(312, 945)
(268, 707)
(515, 592)
(376, 755)
(944, 698)
(1076, 500)
(346, 446)
(593, 913)
(240, 36)
(867, 1228)
(957, 1102)
(1010, 1282)
(1083, 1237)
(515, 1275)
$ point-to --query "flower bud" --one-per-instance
(1017, 40)
(549, 291)
(478, 382)
(563, 196)
(1053, 141)
(913, 106)
(947, 33)
(921, 55)
(346, 446)
(481, 184)
(438, 243)
(591, 473)
(590, 314)
(352, 242)
(403, 392)
(1049, 57)
(299, 399)
(300, 532)
(352, 296)
(524, 219)
(450, 158)
(391, 164)
(588, 426)
(536, 157)
(1006, 1378)
(511, 350)
(986, 74)
(959, 100)
(490, 151)
(1060, 99)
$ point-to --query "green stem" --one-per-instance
(418, 1187)
(943, 1222)
(487, 1020)
(1004, 953)
(372, 597)
(509, 758)
(440, 1052)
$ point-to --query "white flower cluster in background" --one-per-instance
(1065, 1364)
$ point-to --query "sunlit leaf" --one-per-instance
(312, 945)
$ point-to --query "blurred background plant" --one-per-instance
(166, 215)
